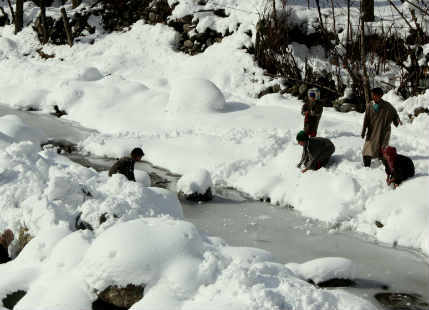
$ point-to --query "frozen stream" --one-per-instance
(287, 235)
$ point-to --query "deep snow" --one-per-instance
(133, 88)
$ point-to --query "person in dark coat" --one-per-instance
(379, 116)
(398, 167)
(316, 151)
(125, 165)
(5, 240)
(312, 111)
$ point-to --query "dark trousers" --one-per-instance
(367, 161)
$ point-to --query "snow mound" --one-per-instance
(15, 128)
(142, 177)
(89, 74)
(198, 181)
(190, 96)
(112, 261)
(44, 189)
(324, 269)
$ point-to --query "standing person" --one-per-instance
(316, 151)
(312, 111)
(5, 240)
(379, 116)
(398, 167)
(125, 165)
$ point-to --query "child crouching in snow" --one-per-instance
(398, 167)
(316, 152)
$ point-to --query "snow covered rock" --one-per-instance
(189, 96)
(89, 74)
(196, 186)
(321, 271)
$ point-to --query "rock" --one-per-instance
(62, 145)
(188, 44)
(379, 224)
(197, 197)
(57, 112)
(12, 299)
(122, 297)
(401, 301)
(420, 110)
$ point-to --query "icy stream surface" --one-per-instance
(287, 235)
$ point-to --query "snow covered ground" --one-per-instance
(187, 113)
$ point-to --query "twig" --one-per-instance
(401, 14)
(11, 11)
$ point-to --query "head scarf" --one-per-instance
(390, 153)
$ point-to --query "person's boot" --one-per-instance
(367, 161)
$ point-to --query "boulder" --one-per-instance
(197, 197)
(123, 297)
(12, 299)
(420, 110)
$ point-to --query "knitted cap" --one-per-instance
(301, 136)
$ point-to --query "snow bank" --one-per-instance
(42, 189)
(17, 130)
(179, 267)
(402, 210)
(198, 181)
(194, 96)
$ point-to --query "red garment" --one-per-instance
(390, 153)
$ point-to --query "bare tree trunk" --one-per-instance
(363, 61)
(76, 3)
(333, 20)
(349, 30)
(11, 11)
(67, 27)
(275, 14)
(367, 10)
(19, 16)
(43, 21)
